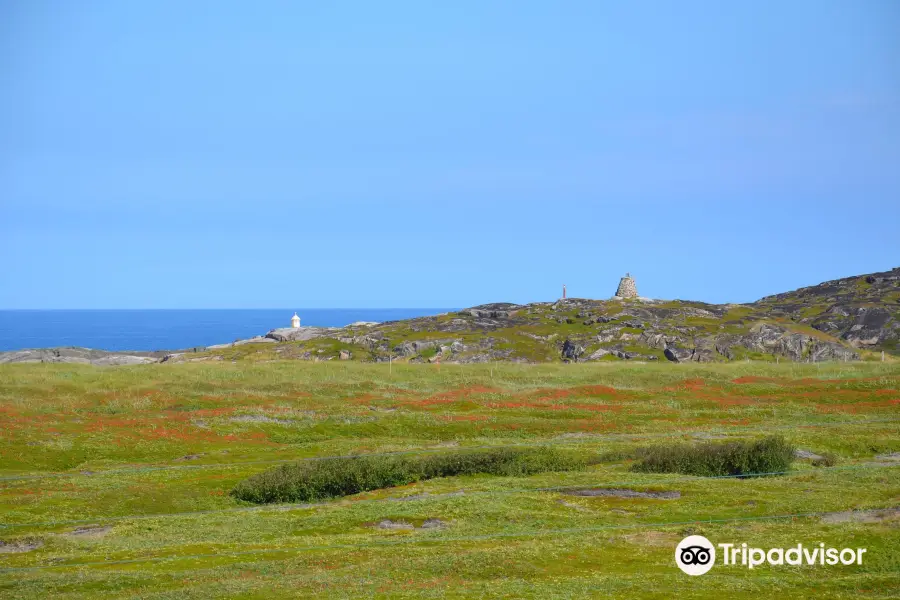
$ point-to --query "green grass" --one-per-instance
(150, 454)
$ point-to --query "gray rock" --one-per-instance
(676, 354)
(254, 340)
(598, 354)
(79, 355)
(414, 348)
(298, 334)
(571, 351)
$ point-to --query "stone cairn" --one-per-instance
(627, 287)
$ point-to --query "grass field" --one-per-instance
(115, 482)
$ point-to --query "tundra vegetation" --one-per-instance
(770, 456)
(487, 480)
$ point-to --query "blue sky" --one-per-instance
(374, 154)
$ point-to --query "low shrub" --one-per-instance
(712, 459)
(330, 478)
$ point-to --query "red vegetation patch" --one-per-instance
(465, 417)
(550, 394)
(454, 395)
(727, 400)
(596, 390)
(364, 399)
(687, 384)
(857, 406)
(755, 379)
(552, 406)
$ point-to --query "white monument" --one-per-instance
(295, 321)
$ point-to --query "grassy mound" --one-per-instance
(331, 478)
(769, 455)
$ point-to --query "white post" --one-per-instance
(882, 356)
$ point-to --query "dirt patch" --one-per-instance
(14, 547)
(432, 524)
(450, 444)
(189, 457)
(862, 516)
(710, 436)
(650, 538)
(389, 524)
(426, 495)
(259, 419)
(575, 506)
(622, 493)
(893, 456)
(407, 526)
(91, 531)
(806, 455)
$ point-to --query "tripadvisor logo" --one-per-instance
(695, 555)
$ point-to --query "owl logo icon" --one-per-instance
(695, 555)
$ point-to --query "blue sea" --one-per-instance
(171, 329)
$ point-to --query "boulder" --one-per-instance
(571, 351)
(676, 354)
(413, 348)
(597, 354)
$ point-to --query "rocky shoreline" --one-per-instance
(839, 320)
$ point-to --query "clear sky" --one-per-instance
(172, 154)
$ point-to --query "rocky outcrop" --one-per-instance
(298, 334)
(79, 355)
(864, 310)
(772, 339)
(254, 340)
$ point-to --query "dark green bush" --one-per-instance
(769, 455)
(334, 477)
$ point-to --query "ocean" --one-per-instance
(171, 329)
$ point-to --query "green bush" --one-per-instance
(330, 478)
(769, 455)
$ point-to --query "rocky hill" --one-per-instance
(839, 320)
(846, 319)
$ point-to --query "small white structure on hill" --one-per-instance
(295, 321)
